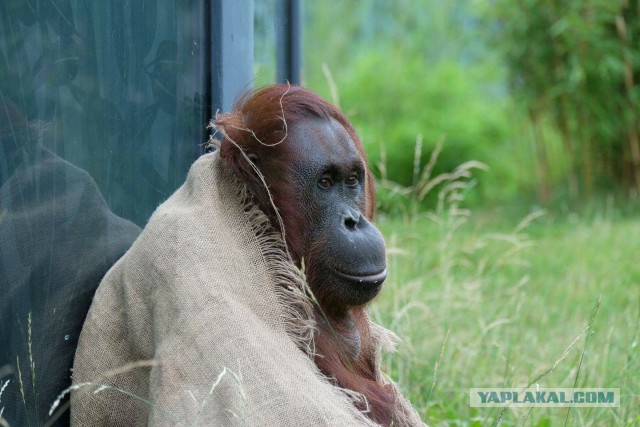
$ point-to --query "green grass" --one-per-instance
(503, 303)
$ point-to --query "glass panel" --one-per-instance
(101, 114)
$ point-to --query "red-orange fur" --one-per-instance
(263, 114)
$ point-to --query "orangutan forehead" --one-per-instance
(326, 137)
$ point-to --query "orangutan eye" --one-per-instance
(325, 183)
(352, 181)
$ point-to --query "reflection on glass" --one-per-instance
(101, 114)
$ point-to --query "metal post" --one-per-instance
(231, 51)
(288, 43)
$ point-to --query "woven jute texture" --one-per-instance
(205, 321)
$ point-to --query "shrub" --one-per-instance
(392, 100)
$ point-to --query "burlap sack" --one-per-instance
(208, 294)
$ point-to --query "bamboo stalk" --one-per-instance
(634, 140)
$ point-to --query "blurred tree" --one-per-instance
(576, 64)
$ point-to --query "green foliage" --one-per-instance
(544, 92)
(393, 99)
(576, 63)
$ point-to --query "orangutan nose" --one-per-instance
(351, 219)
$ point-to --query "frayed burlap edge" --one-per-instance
(292, 290)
